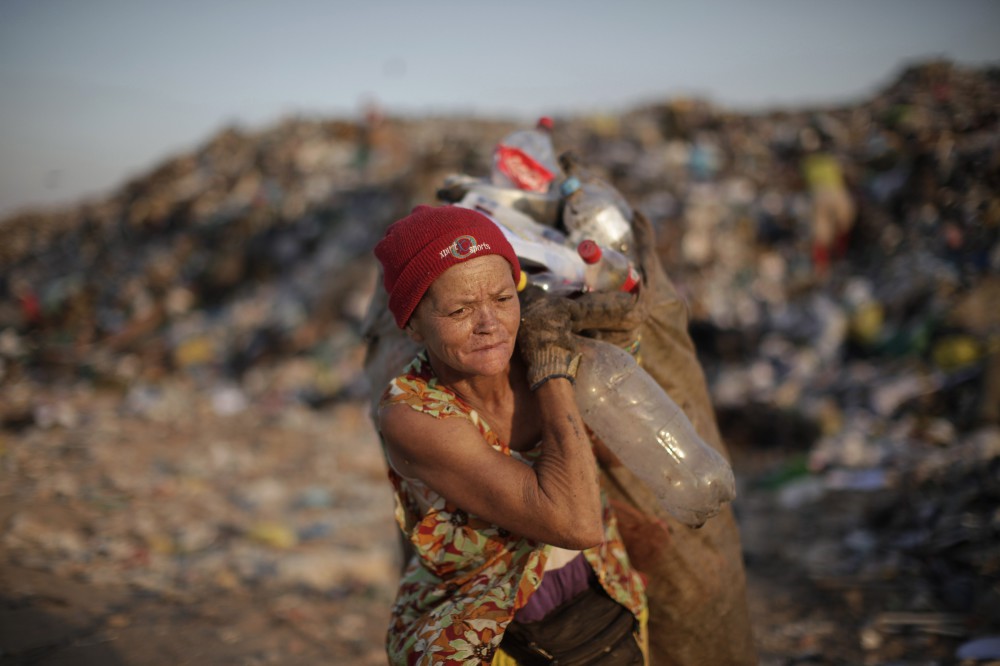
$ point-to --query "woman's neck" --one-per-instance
(489, 392)
(504, 402)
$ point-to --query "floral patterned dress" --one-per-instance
(468, 577)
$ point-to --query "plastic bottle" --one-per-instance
(517, 221)
(541, 207)
(539, 248)
(526, 159)
(625, 407)
(594, 209)
(607, 269)
(551, 282)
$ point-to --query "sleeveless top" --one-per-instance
(468, 577)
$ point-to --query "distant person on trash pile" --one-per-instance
(833, 209)
(517, 554)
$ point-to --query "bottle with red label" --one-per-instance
(607, 269)
(526, 159)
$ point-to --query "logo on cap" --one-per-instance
(463, 247)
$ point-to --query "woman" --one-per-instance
(518, 559)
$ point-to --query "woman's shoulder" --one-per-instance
(419, 389)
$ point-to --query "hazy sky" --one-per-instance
(93, 92)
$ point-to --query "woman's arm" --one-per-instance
(556, 502)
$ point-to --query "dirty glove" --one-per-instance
(615, 317)
(545, 337)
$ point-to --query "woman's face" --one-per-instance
(469, 316)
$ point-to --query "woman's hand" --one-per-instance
(545, 337)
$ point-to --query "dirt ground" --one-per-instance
(166, 532)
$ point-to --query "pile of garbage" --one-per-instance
(224, 265)
(255, 247)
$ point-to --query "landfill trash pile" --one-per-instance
(183, 407)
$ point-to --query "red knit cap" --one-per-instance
(418, 248)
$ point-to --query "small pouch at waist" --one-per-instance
(590, 628)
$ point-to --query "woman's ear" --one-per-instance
(412, 332)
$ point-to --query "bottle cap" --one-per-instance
(589, 251)
(570, 185)
(631, 282)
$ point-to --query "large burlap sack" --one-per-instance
(695, 578)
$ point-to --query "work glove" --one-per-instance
(615, 316)
(545, 337)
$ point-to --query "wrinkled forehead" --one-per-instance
(482, 275)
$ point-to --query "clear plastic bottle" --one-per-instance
(541, 207)
(526, 159)
(607, 269)
(539, 248)
(650, 434)
(517, 221)
(553, 283)
(594, 209)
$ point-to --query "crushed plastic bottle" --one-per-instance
(547, 257)
(552, 283)
(543, 208)
(539, 248)
(526, 159)
(517, 221)
(607, 269)
(594, 209)
(650, 434)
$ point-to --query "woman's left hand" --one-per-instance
(545, 337)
